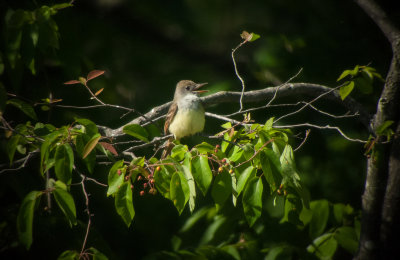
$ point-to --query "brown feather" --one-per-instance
(170, 116)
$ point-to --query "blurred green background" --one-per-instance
(146, 47)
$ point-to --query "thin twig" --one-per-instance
(154, 141)
(304, 140)
(254, 155)
(88, 213)
(308, 103)
(237, 72)
(23, 162)
(323, 127)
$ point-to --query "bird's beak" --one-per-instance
(199, 85)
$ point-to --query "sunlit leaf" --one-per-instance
(244, 177)
(202, 173)
(179, 191)
(222, 188)
(25, 218)
(123, 203)
(115, 177)
(66, 202)
(64, 160)
(252, 200)
(179, 151)
(346, 89)
(137, 131)
(324, 246)
(347, 238)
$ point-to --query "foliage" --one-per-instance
(241, 197)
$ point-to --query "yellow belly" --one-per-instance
(187, 122)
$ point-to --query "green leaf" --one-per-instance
(179, 151)
(162, 180)
(202, 173)
(66, 202)
(381, 129)
(221, 188)
(123, 203)
(12, 146)
(344, 74)
(115, 180)
(179, 191)
(288, 165)
(90, 145)
(46, 148)
(90, 128)
(254, 37)
(324, 247)
(320, 216)
(25, 218)
(191, 185)
(346, 89)
(137, 131)
(69, 255)
(271, 176)
(347, 238)
(23, 106)
(64, 160)
(245, 176)
(252, 200)
(97, 255)
(236, 153)
(205, 148)
(80, 142)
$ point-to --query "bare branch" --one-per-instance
(237, 72)
(285, 90)
(323, 127)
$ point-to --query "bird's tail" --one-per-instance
(169, 144)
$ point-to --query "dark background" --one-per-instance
(146, 47)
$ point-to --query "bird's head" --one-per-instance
(185, 87)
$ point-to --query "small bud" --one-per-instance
(145, 185)
(119, 172)
(158, 168)
(279, 191)
(220, 169)
(126, 178)
(223, 160)
(281, 186)
(119, 186)
(152, 181)
(217, 146)
(131, 186)
(285, 192)
(141, 193)
(139, 177)
(152, 191)
(231, 171)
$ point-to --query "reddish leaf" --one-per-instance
(72, 82)
(98, 92)
(94, 74)
(109, 147)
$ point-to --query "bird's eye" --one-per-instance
(187, 88)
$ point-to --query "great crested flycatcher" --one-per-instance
(186, 114)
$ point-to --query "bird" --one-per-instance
(186, 114)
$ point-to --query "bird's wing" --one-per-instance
(170, 115)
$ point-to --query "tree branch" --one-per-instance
(262, 95)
